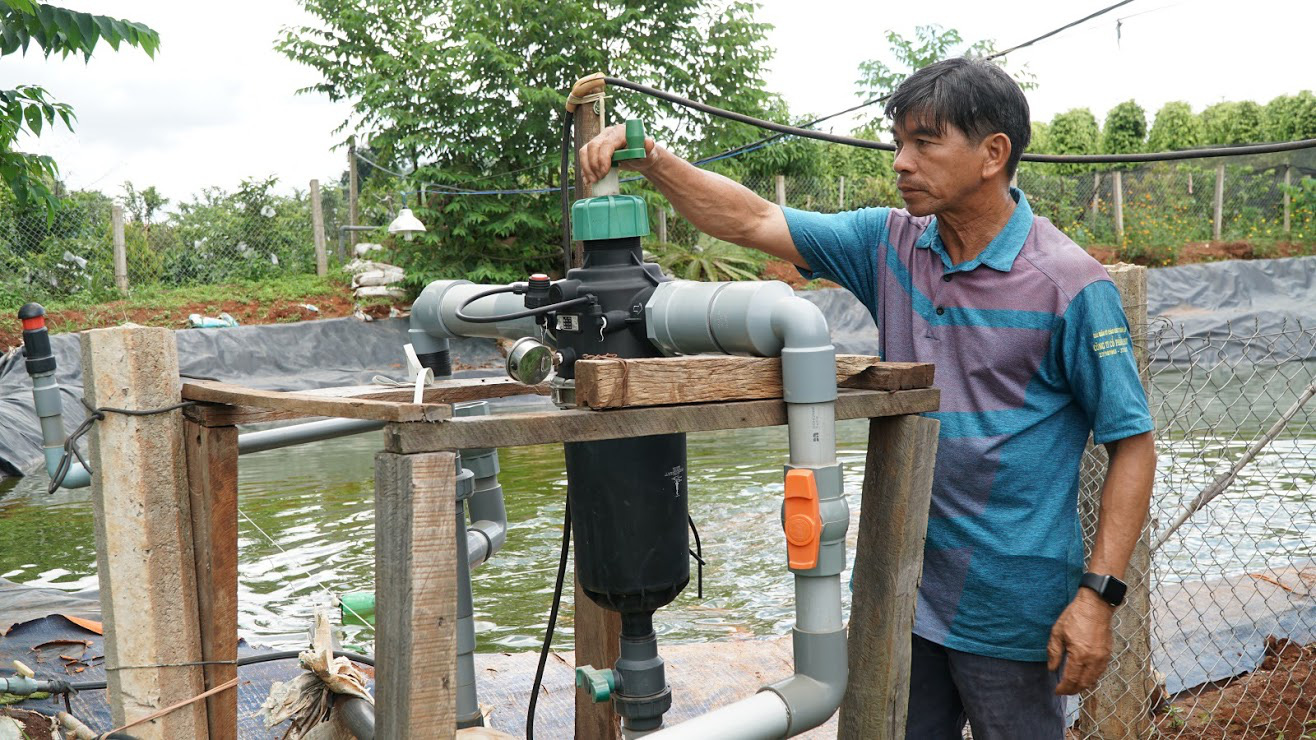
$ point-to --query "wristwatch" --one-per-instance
(1109, 588)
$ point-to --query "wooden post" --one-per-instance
(598, 631)
(120, 250)
(1117, 188)
(212, 478)
(662, 224)
(587, 123)
(1096, 196)
(144, 554)
(416, 595)
(840, 193)
(351, 196)
(1288, 183)
(1119, 706)
(781, 190)
(1219, 201)
(317, 230)
(888, 562)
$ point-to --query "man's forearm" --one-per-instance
(706, 199)
(1125, 499)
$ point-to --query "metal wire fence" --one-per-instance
(1231, 594)
(95, 249)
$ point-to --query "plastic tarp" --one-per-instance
(285, 357)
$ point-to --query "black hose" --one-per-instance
(515, 314)
(248, 660)
(552, 623)
(1224, 151)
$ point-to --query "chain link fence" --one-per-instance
(1230, 596)
(93, 248)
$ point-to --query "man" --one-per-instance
(1032, 353)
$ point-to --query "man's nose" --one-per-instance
(904, 163)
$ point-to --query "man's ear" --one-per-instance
(996, 154)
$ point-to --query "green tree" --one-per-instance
(1291, 117)
(1233, 123)
(1176, 127)
(1126, 129)
(459, 92)
(142, 205)
(28, 109)
(1073, 132)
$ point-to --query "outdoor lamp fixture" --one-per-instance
(407, 225)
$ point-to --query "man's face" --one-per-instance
(935, 170)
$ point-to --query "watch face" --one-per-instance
(1115, 590)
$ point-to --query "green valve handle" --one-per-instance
(634, 142)
(599, 682)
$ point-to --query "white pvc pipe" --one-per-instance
(811, 430)
(763, 715)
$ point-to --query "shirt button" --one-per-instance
(940, 310)
(946, 278)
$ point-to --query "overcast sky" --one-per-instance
(217, 104)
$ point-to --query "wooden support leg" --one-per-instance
(144, 556)
(893, 523)
(598, 643)
(415, 595)
(212, 477)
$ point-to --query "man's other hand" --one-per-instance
(1082, 637)
(595, 158)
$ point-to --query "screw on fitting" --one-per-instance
(599, 682)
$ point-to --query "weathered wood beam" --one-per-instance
(582, 425)
(212, 477)
(416, 595)
(893, 524)
(605, 383)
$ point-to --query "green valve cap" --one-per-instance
(609, 217)
(634, 142)
(599, 682)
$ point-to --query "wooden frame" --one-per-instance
(415, 565)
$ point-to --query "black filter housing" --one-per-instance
(628, 496)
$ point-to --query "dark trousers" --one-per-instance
(1000, 699)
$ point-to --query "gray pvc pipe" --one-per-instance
(296, 434)
(766, 319)
(434, 314)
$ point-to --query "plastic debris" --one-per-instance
(365, 248)
(308, 699)
(223, 321)
(311, 308)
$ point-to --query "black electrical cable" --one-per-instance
(94, 415)
(1224, 151)
(514, 288)
(248, 660)
(697, 554)
(562, 189)
(552, 623)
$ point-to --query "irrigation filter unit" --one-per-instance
(627, 498)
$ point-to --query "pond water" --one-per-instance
(307, 521)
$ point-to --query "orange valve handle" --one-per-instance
(802, 520)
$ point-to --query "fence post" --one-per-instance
(143, 526)
(317, 229)
(1219, 201)
(1096, 196)
(840, 194)
(1120, 705)
(662, 224)
(1288, 183)
(351, 198)
(1117, 188)
(120, 250)
(781, 190)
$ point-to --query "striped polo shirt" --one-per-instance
(1032, 355)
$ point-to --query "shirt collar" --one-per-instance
(1000, 252)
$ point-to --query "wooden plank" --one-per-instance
(305, 404)
(416, 595)
(598, 643)
(144, 555)
(893, 523)
(1120, 704)
(605, 383)
(212, 477)
(582, 425)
